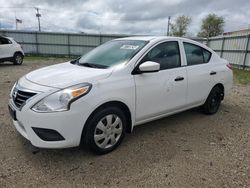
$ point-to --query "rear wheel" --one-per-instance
(105, 130)
(18, 59)
(213, 101)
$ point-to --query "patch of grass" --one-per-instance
(241, 76)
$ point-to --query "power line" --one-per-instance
(38, 14)
(16, 7)
(53, 25)
(95, 16)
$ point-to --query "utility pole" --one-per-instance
(168, 25)
(38, 15)
(15, 20)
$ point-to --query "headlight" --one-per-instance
(12, 90)
(61, 100)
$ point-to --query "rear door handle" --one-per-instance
(212, 73)
(178, 78)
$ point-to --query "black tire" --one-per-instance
(18, 59)
(91, 129)
(213, 101)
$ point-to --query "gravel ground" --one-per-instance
(185, 150)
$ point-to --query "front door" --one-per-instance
(161, 92)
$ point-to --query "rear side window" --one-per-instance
(206, 55)
(4, 41)
(167, 54)
(195, 54)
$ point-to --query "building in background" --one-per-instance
(239, 32)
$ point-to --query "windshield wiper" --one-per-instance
(75, 61)
(92, 65)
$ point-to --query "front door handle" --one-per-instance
(178, 78)
(212, 73)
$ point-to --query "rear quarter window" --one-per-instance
(195, 54)
(206, 55)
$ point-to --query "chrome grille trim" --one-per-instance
(20, 96)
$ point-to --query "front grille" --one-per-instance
(20, 97)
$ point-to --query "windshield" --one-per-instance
(112, 53)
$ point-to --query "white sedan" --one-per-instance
(97, 98)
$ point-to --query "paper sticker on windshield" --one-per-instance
(129, 47)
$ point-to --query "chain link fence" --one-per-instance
(235, 49)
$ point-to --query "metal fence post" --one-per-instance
(69, 53)
(246, 51)
(206, 41)
(100, 39)
(222, 47)
(36, 38)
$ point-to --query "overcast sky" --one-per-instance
(120, 16)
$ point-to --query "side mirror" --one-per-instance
(74, 60)
(149, 66)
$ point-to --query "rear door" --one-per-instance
(161, 92)
(2, 53)
(5, 48)
(200, 73)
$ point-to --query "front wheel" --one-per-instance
(213, 101)
(18, 59)
(105, 130)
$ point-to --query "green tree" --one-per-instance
(180, 26)
(212, 25)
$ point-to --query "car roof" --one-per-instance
(1, 36)
(159, 38)
(155, 39)
(147, 38)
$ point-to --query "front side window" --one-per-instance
(196, 55)
(167, 54)
(112, 53)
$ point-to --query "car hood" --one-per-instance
(66, 74)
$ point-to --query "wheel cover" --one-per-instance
(19, 59)
(108, 131)
(215, 101)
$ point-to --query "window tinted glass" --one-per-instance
(207, 55)
(166, 54)
(195, 54)
(4, 41)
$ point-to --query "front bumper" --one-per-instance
(68, 124)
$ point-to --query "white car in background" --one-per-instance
(99, 97)
(11, 51)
